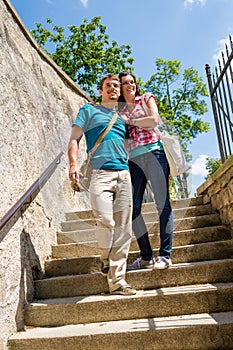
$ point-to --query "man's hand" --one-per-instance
(73, 147)
(73, 174)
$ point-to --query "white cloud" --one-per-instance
(84, 2)
(218, 51)
(199, 166)
(190, 3)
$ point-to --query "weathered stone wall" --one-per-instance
(218, 190)
(37, 105)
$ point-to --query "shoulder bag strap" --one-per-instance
(104, 133)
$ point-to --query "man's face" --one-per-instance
(110, 91)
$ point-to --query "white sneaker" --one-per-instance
(125, 290)
(139, 263)
(162, 263)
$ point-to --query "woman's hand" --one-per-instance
(125, 118)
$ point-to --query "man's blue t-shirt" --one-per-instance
(111, 153)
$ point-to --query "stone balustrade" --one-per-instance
(218, 190)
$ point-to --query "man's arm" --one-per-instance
(73, 148)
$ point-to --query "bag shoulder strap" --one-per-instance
(144, 104)
(104, 133)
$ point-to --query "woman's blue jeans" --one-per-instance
(153, 167)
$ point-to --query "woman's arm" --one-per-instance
(151, 120)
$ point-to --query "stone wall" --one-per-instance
(218, 190)
(37, 106)
(38, 103)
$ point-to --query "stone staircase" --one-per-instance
(188, 306)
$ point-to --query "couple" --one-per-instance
(110, 189)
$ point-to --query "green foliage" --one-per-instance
(181, 103)
(212, 164)
(180, 99)
(86, 54)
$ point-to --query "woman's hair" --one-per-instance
(121, 99)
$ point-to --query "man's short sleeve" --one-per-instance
(82, 119)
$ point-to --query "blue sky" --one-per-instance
(191, 31)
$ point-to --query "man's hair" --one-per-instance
(108, 76)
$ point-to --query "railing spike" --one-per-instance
(223, 58)
(219, 66)
(230, 38)
(226, 46)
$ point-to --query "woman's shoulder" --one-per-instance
(147, 95)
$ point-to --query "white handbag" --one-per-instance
(172, 148)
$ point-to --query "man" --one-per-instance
(110, 187)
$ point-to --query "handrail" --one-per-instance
(31, 193)
(221, 96)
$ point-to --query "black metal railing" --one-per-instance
(22, 204)
(221, 94)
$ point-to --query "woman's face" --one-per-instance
(128, 86)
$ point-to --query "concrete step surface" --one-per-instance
(78, 231)
(212, 271)
(146, 207)
(88, 223)
(181, 254)
(188, 223)
(69, 248)
(184, 332)
(186, 307)
(149, 215)
(161, 302)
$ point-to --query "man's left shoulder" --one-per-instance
(90, 105)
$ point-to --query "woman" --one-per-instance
(147, 162)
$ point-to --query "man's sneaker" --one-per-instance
(139, 263)
(104, 269)
(124, 290)
(162, 263)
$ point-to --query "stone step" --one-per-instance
(182, 254)
(146, 207)
(189, 332)
(80, 220)
(188, 223)
(77, 225)
(160, 302)
(77, 236)
(176, 204)
(149, 215)
(80, 231)
(67, 246)
(213, 271)
(181, 213)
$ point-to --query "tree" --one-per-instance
(86, 53)
(212, 165)
(180, 103)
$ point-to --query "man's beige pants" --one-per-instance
(111, 201)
